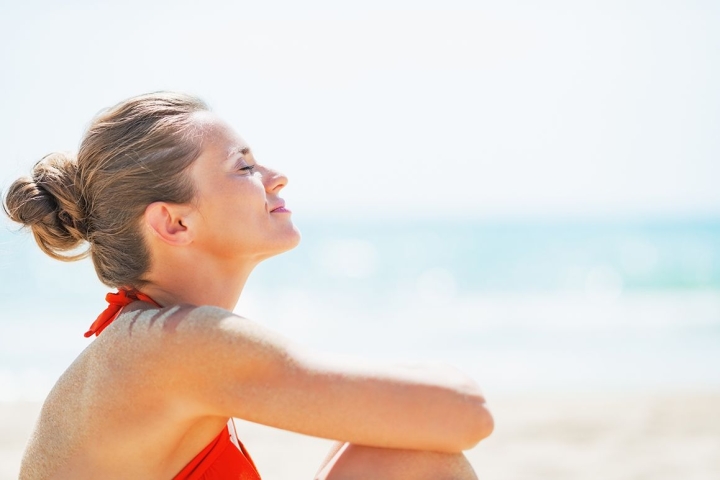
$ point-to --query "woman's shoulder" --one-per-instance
(127, 380)
(181, 346)
(192, 360)
(183, 324)
(145, 365)
(141, 323)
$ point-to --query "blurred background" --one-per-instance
(527, 190)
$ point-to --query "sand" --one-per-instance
(550, 436)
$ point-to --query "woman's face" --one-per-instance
(239, 214)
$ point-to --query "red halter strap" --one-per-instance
(116, 302)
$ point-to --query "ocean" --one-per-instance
(523, 306)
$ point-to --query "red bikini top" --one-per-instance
(222, 459)
(116, 303)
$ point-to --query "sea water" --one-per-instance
(523, 306)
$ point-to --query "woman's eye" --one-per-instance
(248, 168)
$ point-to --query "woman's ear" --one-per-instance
(169, 222)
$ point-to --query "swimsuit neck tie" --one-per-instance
(116, 302)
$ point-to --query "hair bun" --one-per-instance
(50, 204)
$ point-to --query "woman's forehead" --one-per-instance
(220, 138)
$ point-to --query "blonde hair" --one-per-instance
(132, 155)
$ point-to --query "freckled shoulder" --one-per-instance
(186, 351)
(180, 324)
(148, 366)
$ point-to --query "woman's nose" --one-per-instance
(274, 180)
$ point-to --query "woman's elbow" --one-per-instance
(471, 415)
(475, 420)
(478, 424)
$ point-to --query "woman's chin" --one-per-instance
(290, 241)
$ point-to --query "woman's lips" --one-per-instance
(281, 210)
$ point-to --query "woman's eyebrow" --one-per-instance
(235, 150)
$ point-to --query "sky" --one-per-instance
(423, 109)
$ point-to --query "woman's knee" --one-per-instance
(357, 462)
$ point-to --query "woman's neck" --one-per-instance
(198, 283)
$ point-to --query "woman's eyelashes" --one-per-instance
(247, 169)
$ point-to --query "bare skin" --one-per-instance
(359, 462)
(159, 384)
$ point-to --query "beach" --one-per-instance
(595, 344)
(619, 436)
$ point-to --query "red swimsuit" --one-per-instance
(222, 459)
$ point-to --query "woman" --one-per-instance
(176, 212)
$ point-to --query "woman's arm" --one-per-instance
(220, 364)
